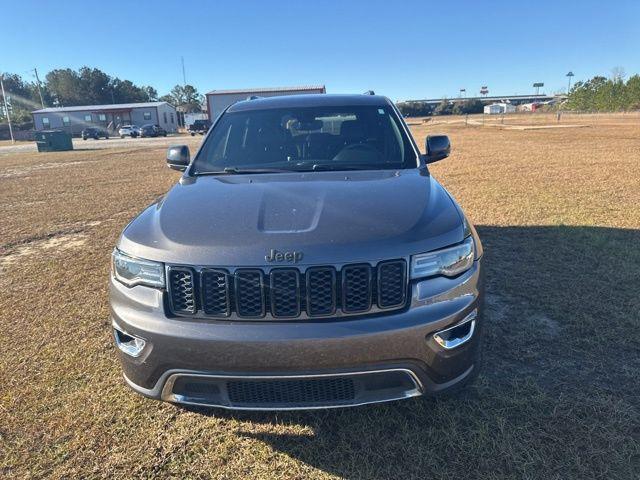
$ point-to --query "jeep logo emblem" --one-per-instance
(276, 256)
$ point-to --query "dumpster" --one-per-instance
(53, 141)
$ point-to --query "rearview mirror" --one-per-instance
(438, 147)
(178, 157)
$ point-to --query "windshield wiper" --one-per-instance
(242, 171)
(327, 167)
(315, 168)
(235, 170)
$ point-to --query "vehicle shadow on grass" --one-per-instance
(557, 396)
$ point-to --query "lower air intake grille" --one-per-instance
(296, 392)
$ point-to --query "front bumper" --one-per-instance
(371, 358)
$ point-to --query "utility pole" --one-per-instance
(35, 70)
(6, 108)
(184, 75)
(110, 87)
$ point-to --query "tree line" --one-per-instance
(445, 107)
(599, 94)
(85, 86)
(603, 94)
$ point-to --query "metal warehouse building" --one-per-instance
(110, 117)
(497, 108)
(218, 100)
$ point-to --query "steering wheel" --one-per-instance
(359, 146)
(354, 147)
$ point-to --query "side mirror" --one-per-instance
(178, 157)
(438, 147)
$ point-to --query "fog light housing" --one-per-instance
(128, 344)
(457, 335)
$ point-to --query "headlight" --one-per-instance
(136, 271)
(450, 261)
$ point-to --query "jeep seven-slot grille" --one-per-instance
(287, 292)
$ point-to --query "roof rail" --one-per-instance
(369, 92)
(253, 97)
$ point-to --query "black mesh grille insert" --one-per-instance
(295, 392)
(321, 291)
(392, 284)
(216, 298)
(181, 286)
(356, 288)
(284, 287)
(287, 292)
(249, 290)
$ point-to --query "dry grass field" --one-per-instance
(558, 211)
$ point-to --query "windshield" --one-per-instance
(306, 139)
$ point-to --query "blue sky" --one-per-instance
(412, 49)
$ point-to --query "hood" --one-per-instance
(325, 217)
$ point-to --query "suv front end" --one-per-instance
(301, 288)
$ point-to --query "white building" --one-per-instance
(497, 108)
(74, 119)
(218, 100)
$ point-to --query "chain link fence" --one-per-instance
(532, 119)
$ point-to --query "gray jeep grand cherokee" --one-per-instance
(305, 259)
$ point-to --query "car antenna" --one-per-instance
(369, 92)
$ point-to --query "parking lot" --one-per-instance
(557, 210)
(6, 148)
